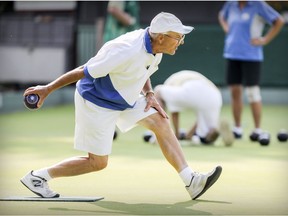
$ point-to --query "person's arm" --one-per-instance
(159, 97)
(123, 17)
(147, 89)
(223, 23)
(151, 100)
(191, 132)
(44, 90)
(271, 34)
(175, 121)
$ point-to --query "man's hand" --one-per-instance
(152, 102)
(41, 91)
(261, 41)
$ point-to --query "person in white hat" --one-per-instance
(114, 89)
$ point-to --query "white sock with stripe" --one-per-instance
(186, 175)
(42, 173)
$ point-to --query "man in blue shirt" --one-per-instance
(243, 23)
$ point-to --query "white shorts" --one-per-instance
(198, 95)
(95, 126)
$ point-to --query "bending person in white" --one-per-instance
(186, 90)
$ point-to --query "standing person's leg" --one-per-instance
(254, 98)
(237, 104)
(234, 81)
(256, 108)
(251, 81)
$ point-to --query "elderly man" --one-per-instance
(108, 93)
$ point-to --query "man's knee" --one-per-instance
(156, 122)
(98, 162)
(253, 94)
(236, 91)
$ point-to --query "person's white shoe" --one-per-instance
(200, 183)
(38, 185)
(226, 133)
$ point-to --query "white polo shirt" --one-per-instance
(115, 77)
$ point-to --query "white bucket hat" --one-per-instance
(165, 22)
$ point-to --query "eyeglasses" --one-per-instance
(180, 40)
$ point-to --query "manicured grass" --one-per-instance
(138, 180)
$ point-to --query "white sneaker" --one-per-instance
(38, 185)
(200, 183)
(226, 133)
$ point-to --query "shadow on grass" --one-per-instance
(120, 208)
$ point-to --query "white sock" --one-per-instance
(42, 173)
(258, 130)
(186, 175)
(238, 129)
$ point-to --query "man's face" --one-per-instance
(171, 41)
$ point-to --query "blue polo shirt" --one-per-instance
(115, 77)
(243, 26)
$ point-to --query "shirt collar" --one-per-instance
(147, 42)
(247, 3)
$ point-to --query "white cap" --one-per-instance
(165, 22)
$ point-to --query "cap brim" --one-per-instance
(179, 29)
(186, 29)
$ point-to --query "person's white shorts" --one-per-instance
(205, 99)
(95, 126)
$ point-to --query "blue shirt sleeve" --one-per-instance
(267, 12)
(225, 10)
(86, 73)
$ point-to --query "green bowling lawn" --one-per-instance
(138, 180)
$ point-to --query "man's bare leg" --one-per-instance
(167, 140)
